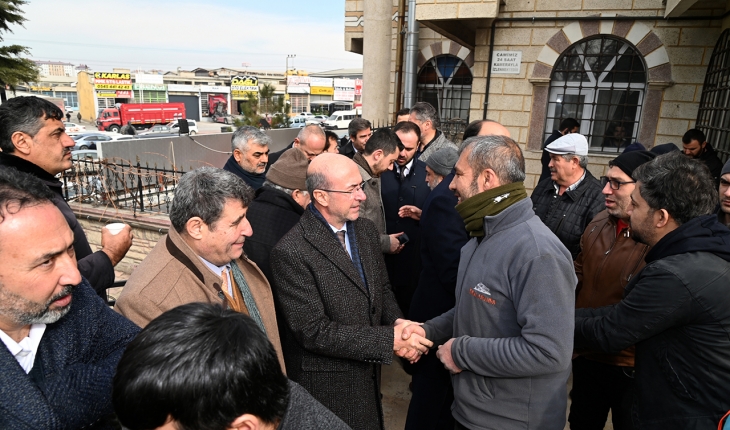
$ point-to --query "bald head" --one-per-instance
(333, 181)
(311, 141)
(485, 127)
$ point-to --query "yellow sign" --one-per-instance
(104, 95)
(40, 88)
(242, 85)
(106, 75)
(322, 91)
(127, 87)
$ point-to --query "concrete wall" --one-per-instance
(186, 152)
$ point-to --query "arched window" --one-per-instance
(445, 82)
(713, 116)
(601, 82)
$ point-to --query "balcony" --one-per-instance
(456, 19)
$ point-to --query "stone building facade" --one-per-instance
(628, 70)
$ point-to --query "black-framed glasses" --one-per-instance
(352, 192)
(615, 184)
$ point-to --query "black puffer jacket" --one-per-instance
(677, 313)
(568, 215)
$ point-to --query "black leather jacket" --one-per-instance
(568, 215)
(677, 313)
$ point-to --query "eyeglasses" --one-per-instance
(615, 184)
(359, 187)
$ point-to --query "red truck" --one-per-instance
(143, 115)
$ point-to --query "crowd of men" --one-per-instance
(288, 279)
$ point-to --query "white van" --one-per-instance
(298, 121)
(339, 119)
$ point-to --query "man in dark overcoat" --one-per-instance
(342, 319)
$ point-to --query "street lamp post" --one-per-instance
(286, 80)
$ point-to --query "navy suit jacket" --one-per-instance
(443, 236)
(404, 268)
(76, 361)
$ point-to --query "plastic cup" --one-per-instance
(115, 228)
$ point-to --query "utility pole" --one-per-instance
(286, 81)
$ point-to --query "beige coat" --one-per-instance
(173, 275)
(372, 207)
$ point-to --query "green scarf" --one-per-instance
(475, 208)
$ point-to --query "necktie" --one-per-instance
(402, 173)
(341, 236)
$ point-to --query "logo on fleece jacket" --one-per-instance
(481, 292)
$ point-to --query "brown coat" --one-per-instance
(173, 275)
(604, 267)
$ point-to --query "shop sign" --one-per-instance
(124, 94)
(107, 75)
(344, 94)
(507, 62)
(345, 83)
(183, 88)
(320, 82)
(358, 87)
(322, 91)
(40, 88)
(297, 90)
(149, 87)
(215, 89)
(144, 78)
(298, 81)
(241, 85)
(106, 94)
(124, 87)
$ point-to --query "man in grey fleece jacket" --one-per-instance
(508, 341)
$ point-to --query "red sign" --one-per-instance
(358, 87)
(124, 94)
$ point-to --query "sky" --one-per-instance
(165, 34)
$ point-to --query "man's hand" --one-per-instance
(444, 354)
(115, 246)
(412, 345)
(395, 246)
(410, 211)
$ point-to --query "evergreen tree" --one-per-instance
(14, 70)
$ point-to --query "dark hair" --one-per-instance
(19, 190)
(404, 111)
(499, 153)
(327, 136)
(384, 139)
(202, 365)
(25, 114)
(569, 123)
(203, 193)
(694, 134)
(682, 186)
(356, 125)
(408, 127)
(424, 111)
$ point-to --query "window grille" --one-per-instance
(713, 116)
(445, 83)
(601, 82)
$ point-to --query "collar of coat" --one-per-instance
(363, 163)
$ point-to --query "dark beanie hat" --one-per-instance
(665, 148)
(629, 161)
(636, 146)
(442, 160)
(725, 168)
(290, 170)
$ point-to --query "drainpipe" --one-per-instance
(409, 96)
(399, 57)
(580, 18)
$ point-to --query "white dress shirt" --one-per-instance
(347, 238)
(26, 350)
(218, 270)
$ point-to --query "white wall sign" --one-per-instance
(507, 62)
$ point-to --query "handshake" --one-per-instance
(409, 340)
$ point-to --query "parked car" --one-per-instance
(157, 129)
(89, 140)
(192, 126)
(307, 114)
(317, 119)
(74, 128)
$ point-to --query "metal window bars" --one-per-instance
(445, 82)
(120, 184)
(713, 115)
(601, 82)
